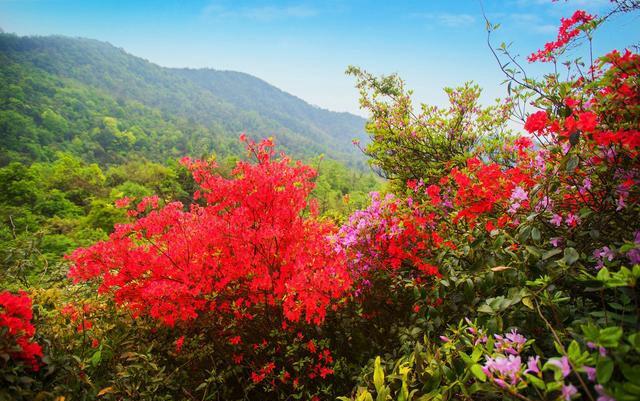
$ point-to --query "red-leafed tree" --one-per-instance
(253, 246)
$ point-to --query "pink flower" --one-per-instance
(519, 194)
(556, 220)
(568, 391)
(572, 220)
(533, 365)
(602, 395)
(563, 364)
(512, 343)
(591, 372)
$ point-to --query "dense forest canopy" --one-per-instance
(95, 101)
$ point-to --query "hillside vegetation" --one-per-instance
(96, 101)
(496, 264)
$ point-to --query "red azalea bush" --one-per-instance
(249, 249)
(244, 267)
(16, 331)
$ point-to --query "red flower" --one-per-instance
(15, 316)
(536, 122)
(197, 252)
(178, 344)
(257, 377)
(587, 121)
(311, 346)
(569, 29)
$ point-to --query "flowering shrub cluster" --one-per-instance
(541, 249)
(17, 331)
(497, 266)
(250, 248)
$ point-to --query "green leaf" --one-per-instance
(378, 374)
(574, 350)
(551, 253)
(535, 234)
(96, 358)
(571, 256)
(536, 381)
(533, 251)
(485, 309)
(610, 336)
(572, 163)
(476, 369)
(604, 370)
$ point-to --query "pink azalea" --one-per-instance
(568, 391)
(533, 365)
(563, 364)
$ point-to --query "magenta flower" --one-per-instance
(556, 220)
(604, 253)
(563, 364)
(519, 194)
(533, 365)
(503, 369)
(591, 372)
(568, 391)
(572, 220)
(556, 241)
(511, 343)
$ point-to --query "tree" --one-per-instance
(418, 145)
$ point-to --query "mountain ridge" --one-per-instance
(223, 101)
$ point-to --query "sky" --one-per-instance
(304, 47)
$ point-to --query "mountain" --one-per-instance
(92, 99)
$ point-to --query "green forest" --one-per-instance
(84, 124)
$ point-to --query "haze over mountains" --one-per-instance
(92, 99)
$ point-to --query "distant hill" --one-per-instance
(92, 99)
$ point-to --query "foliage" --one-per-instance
(498, 267)
(409, 145)
(97, 102)
(543, 247)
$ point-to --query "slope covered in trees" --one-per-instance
(95, 100)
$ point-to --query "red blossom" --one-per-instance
(536, 122)
(15, 316)
(178, 344)
(569, 29)
(251, 234)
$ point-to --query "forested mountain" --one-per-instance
(92, 99)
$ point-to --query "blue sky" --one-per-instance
(303, 47)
